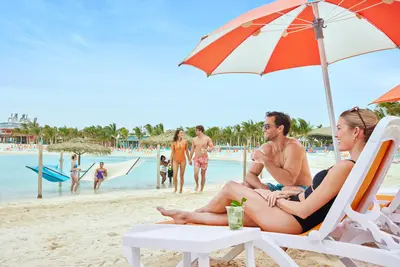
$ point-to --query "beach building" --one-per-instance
(7, 130)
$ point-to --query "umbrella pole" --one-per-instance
(318, 24)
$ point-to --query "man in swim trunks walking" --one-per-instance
(283, 157)
(201, 145)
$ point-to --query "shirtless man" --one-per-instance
(283, 157)
(200, 146)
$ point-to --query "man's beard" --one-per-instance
(268, 138)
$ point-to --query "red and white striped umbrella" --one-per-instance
(295, 33)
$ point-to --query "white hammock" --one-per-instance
(114, 170)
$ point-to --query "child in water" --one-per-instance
(163, 168)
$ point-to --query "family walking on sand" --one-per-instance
(201, 145)
(297, 202)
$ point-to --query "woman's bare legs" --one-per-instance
(74, 183)
(182, 174)
(230, 191)
(182, 217)
(271, 219)
(175, 174)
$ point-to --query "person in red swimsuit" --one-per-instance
(179, 148)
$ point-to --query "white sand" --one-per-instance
(87, 230)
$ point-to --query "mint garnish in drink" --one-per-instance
(236, 203)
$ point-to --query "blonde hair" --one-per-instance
(364, 119)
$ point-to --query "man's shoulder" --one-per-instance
(266, 146)
(294, 144)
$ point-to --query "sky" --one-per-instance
(95, 62)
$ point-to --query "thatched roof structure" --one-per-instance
(80, 146)
(164, 139)
(321, 132)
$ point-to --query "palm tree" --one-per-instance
(213, 133)
(123, 132)
(294, 128)
(149, 129)
(50, 134)
(32, 128)
(237, 130)
(228, 134)
(250, 131)
(139, 134)
(112, 132)
(304, 128)
(63, 133)
(191, 131)
(90, 132)
(158, 129)
(387, 109)
(259, 132)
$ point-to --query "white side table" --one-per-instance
(196, 242)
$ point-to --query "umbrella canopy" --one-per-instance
(296, 33)
(391, 96)
(324, 132)
(164, 139)
(80, 146)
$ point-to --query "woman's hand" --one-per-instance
(273, 197)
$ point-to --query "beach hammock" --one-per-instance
(114, 170)
(51, 173)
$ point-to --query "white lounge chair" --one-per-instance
(351, 221)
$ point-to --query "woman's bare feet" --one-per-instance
(180, 217)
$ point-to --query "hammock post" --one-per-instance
(158, 167)
(40, 169)
(61, 166)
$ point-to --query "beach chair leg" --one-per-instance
(387, 222)
(135, 257)
(193, 260)
(250, 259)
(204, 260)
(395, 204)
(187, 259)
(233, 253)
(348, 262)
(275, 252)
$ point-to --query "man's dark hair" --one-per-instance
(200, 128)
(280, 119)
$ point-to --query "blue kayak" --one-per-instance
(51, 173)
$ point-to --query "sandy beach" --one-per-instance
(87, 230)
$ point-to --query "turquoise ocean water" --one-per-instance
(20, 183)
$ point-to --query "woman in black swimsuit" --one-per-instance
(286, 211)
